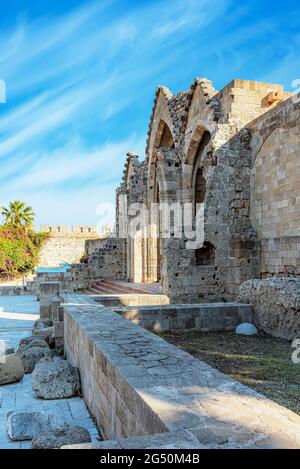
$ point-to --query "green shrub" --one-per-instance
(19, 250)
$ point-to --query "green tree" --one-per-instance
(18, 214)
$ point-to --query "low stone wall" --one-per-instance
(198, 317)
(116, 301)
(13, 290)
(75, 278)
(276, 303)
(16, 286)
(135, 383)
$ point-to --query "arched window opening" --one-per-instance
(205, 255)
(200, 187)
(199, 181)
(166, 138)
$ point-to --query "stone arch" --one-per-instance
(163, 139)
(197, 152)
(198, 182)
(272, 183)
(160, 112)
(193, 149)
(199, 186)
(264, 141)
(274, 199)
(204, 111)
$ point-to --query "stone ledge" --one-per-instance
(198, 317)
(137, 384)
(115, 300)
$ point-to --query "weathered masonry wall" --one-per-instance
(200, 317)
(59, 250)
(135, 383)
(275, 189)
(202, 149)
(106, 258)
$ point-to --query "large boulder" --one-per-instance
(25, 425)
(27, 340)
(58, 437)
(44, 328)
(32, 355)
(46, 334)
(276, 303)
(11, 369)
(55, 380)
(42, 324)
(30, 342)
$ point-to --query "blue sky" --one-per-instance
(81, 77)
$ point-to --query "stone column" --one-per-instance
(48, 291)
(58, 324)
(171, 246)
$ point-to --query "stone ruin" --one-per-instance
(233, 154)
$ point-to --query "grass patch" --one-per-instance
(261, 362)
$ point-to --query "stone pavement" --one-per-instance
(17, 315)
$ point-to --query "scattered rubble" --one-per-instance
(55, 380)
(11, 369)
(61, 436)
(26, 425)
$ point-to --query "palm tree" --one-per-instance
(18, 214)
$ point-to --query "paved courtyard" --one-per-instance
(17, 315)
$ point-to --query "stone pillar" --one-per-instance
(171, 247)
(48, 291)
(58, 323)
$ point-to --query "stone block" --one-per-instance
(55, 305)
(49, 289)
(58, 329)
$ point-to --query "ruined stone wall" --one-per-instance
(225, 160)
(67, 245)
(223, 141)
(275, 189)
(64, 249)
(276, 304)
(108, 260)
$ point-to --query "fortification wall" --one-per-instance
(69, 244)
(59, 250)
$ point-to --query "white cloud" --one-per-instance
(75, 163)
(79, 90)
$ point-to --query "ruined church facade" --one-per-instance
(234, 153)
